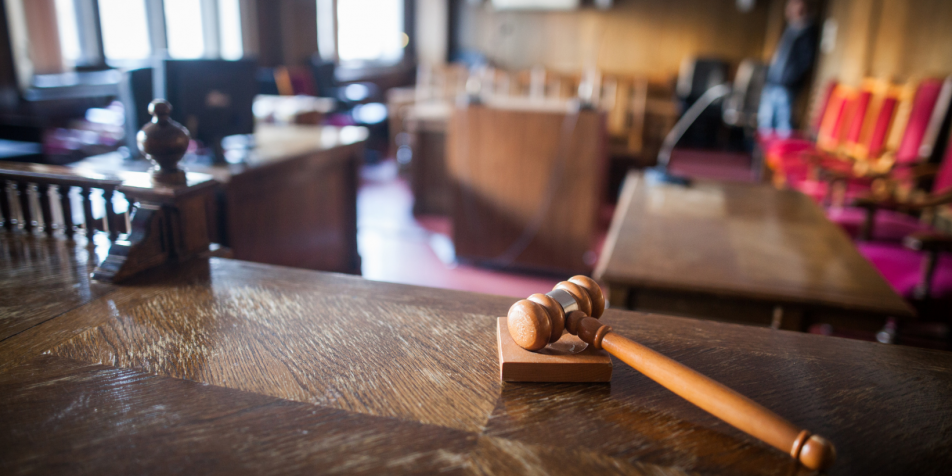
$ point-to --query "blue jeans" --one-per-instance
(773, 117)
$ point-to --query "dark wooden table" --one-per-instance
(292, 201)
(223, 366)
(742, 253)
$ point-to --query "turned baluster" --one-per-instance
(130, 208)
(5, 205)
(67, 207)
(46, 208)
(88, 212)
(23, 189)
(110, 214)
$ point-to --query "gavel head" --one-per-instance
(539, 320)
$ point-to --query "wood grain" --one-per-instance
(94, 419)
(221, 365)
(282, 338)
(43, 277)
(644, 38)
(745, 242)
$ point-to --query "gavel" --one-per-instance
(575, 306)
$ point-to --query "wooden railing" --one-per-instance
(51, 187)
(168, 214)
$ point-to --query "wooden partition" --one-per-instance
(526, 185)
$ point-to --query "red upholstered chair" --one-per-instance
(919, 268)
(865, 141)
(890, 219)
(856, 175)
(841, 129)
(784, 157)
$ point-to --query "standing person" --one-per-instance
(788, 69)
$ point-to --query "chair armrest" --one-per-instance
(920, 171)
(930, 201)
(936, 200)
(874, 203)
(929, 241)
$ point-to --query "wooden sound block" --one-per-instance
(558, 362)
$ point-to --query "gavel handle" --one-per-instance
(812, 451)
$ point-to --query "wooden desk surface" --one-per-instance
(224, 366)
(748, 241)
(274, 144)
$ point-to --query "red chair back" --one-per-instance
(877, 137)
(920, 116)
(831, 128)
(858, 116)
(882, 117)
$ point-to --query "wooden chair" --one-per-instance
(855, 174)
(785, 158)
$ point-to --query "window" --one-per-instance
(125, 29)
(367, 31)
(68, 33)
(183, 26)
(192, 28)
(229, 27)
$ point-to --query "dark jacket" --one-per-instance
(794, 57)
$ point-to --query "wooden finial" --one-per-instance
(529, 325)
(555, 312)
(594, 293)
(164, 142)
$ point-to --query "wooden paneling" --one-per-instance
(45, 54)
(511, 167)
(900, 40)
(298, 30)
(227, 366)
(9, 83)
(291, 202)
(640, 37)
(301, 212)
(286, 31)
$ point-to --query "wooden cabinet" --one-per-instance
(526, 185)
(294, 200)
